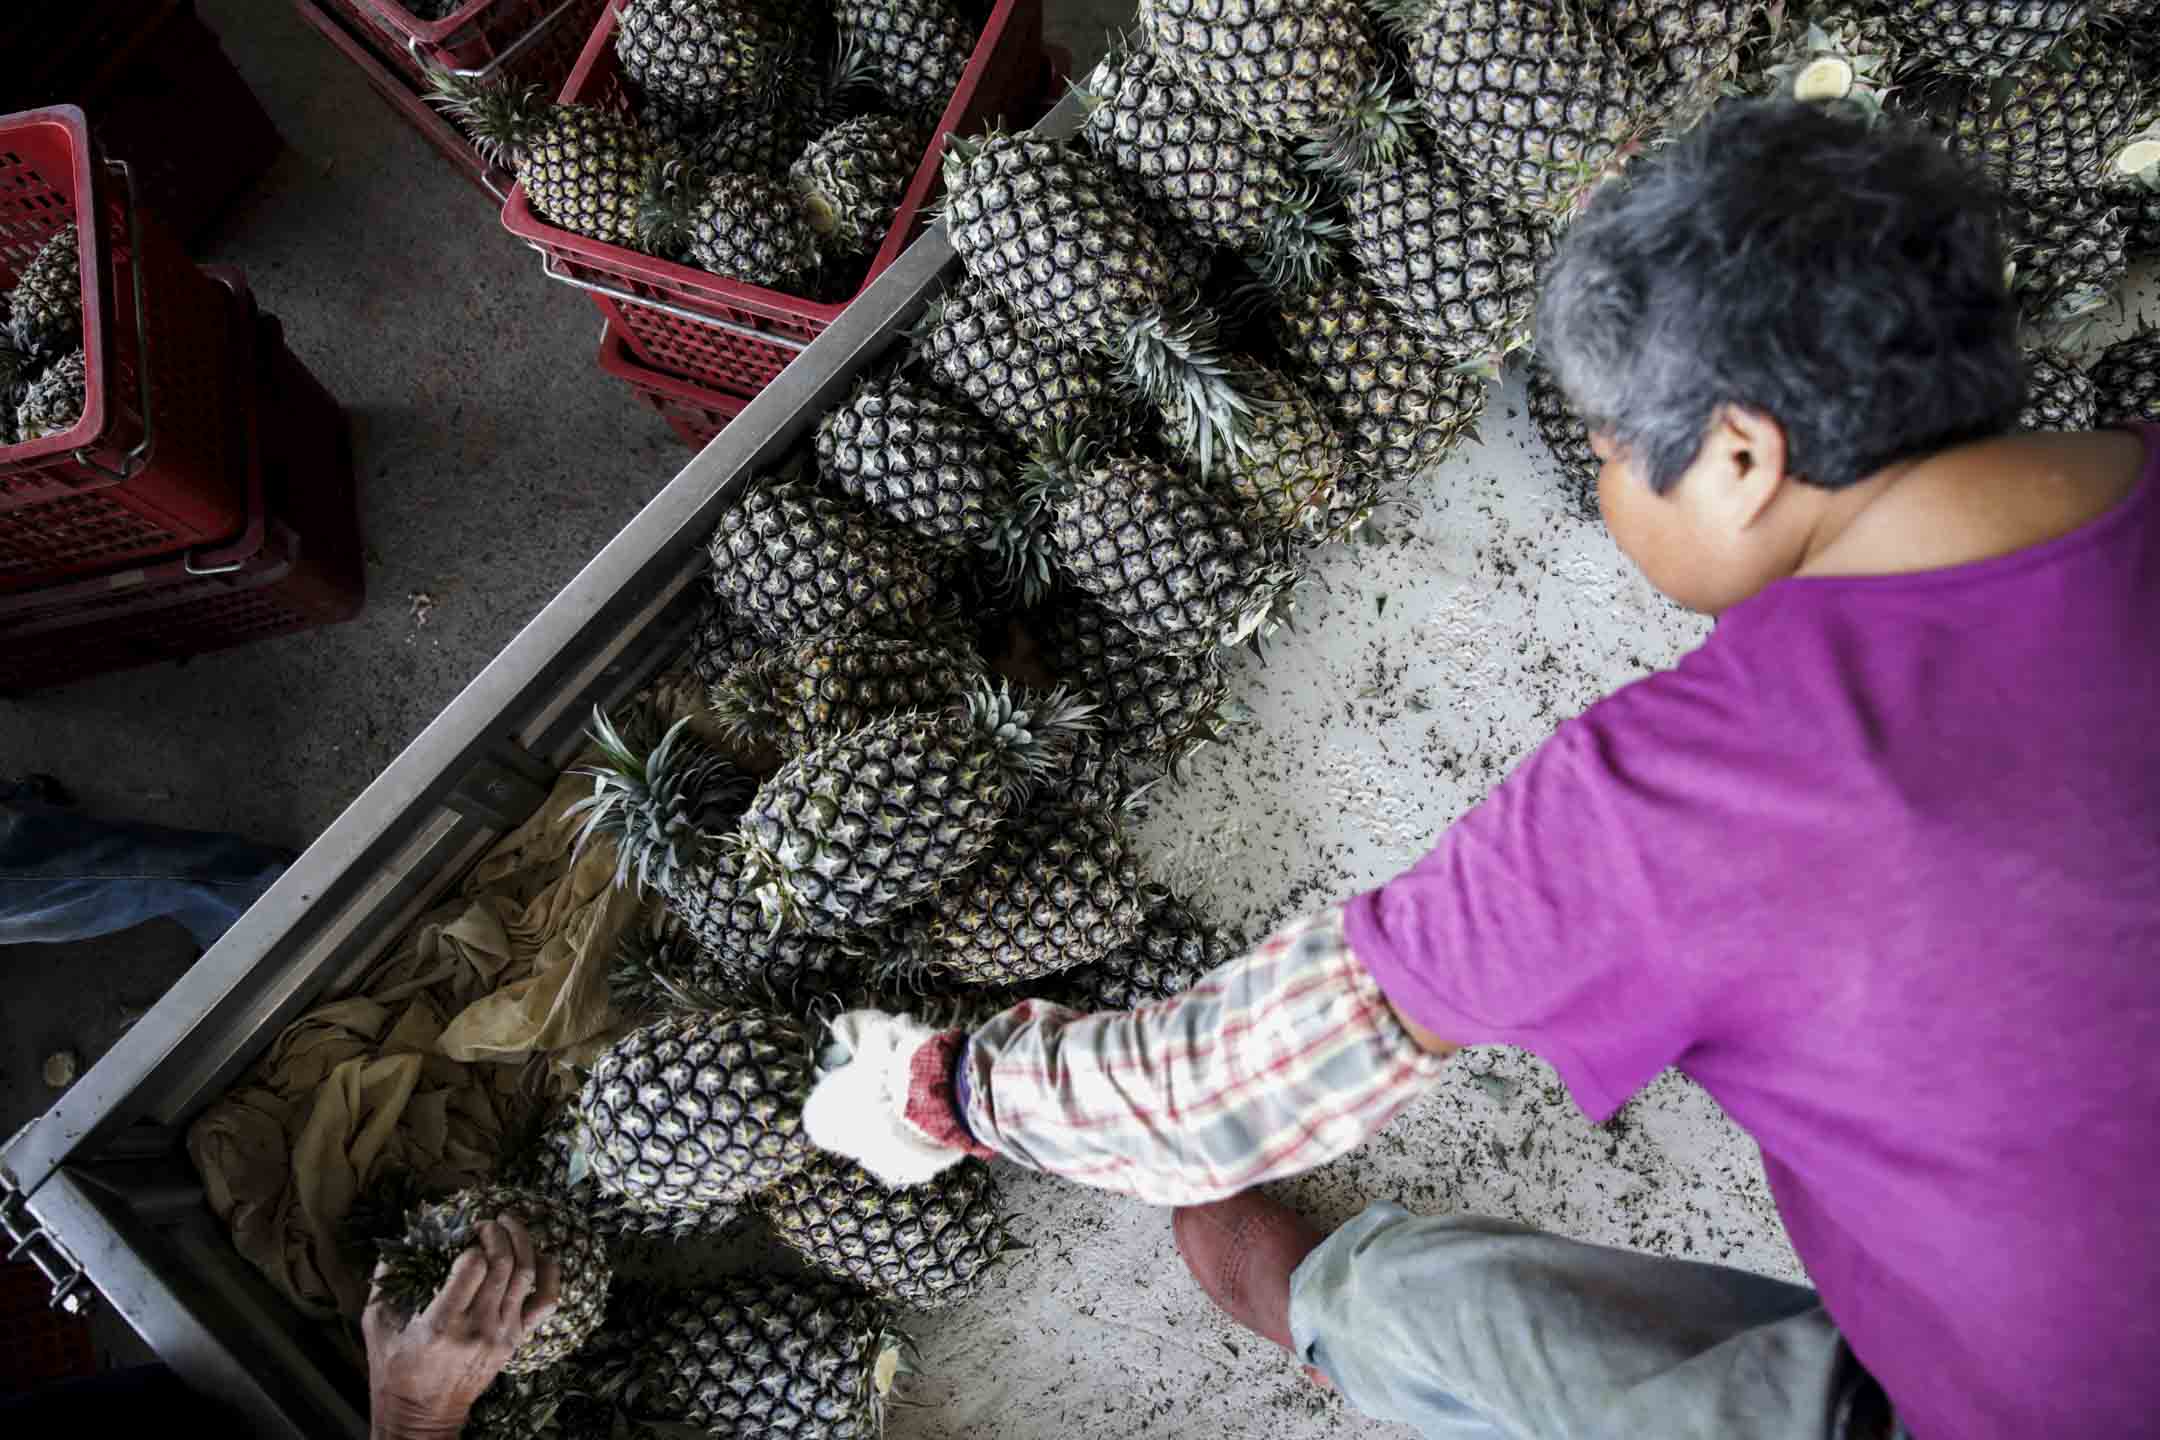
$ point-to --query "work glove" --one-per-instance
(890, 1105)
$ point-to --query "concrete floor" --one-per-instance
(493, 458)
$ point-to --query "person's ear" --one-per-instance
(1747, 453)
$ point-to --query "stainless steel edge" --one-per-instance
(276, 1384)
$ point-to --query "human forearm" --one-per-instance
(1280, 1061)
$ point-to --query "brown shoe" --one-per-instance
(1242, 1251)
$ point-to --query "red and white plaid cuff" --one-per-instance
(933, 1106)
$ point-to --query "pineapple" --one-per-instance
(922, 462)
(797, 563)
(2058, 395)
(45, 311)
(1155, 707)
(1047, 228)
(739, 227)
(755, 141)
(1986, 38)
(1291, 473)
(1452, 259)
(1833, 54)
(916, 49)
(15, 372)
(669, 813)
(1530, 97)
(850, 832)
(582, 168)
(1221, 180)
(1165, 557)
(851, 178)
(2070, 121)
(550, 1160)
(2067, 259)
(518, 1407)
(2126, 381)
(721, 640)
(415, 1266)
(1026, 381)
(705, 55)
(1057, 888)
(53, 403)
(1398, 401)
(1305, 70)
(750, 1358)
(1684, 51)
(927, 1246)
(1567, 438)
(2141, 218)
(836, 684)
(1173, 952)
(694, 1112)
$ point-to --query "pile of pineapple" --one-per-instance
(42, 366)
(768, 141)
(954, 644)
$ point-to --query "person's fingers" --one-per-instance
(501, 1264)
(523, 1273)
(456, 1295)
(546, 1297)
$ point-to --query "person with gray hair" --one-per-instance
(1878, 864)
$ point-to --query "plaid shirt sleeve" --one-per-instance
(1277, 1062)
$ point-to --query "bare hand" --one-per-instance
(423, 1376)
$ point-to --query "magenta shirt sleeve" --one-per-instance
(1551, 916)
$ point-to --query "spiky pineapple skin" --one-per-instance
(2058, 395)
(1392, 393)
(756, 141)
(693, 1112)
(851, 179)
(1847, 41)
(2054, 124)
(1058, 887)
(1529, 96)
(748, 228)
(701, 55)
(796, 563)
(437, 1232)
(1567, 438)
(1026, 381)
(2126, 381)
(852, 831)
(1222, 179)
(721, 639)
(1154, 705)
(1167, 559)
(917, 49)
(1452, 259)
(1986, 38)
(45, 308)
(751, 1358)
(1684, 51)
(924, 463)
(53, 402)
(1046, 228)
(927, 1246)
(1292, 472)
(551, 1165)
(1174, 950)
(584, 169)
(1291, 69)
(834, 685)
(2069, 256)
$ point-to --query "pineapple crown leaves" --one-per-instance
(497, 117)
(1031, 733)
(1174, 362)
(1299, 243)
(656, 975)
(654, 805)
(665, 203)
(1366, 136)
(746, 702)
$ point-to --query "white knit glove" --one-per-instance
(890, 1107)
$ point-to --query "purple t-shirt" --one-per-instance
(1879, 866)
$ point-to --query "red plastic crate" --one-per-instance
(306, 569)
(399, 93)
(695, 324)
(183, 116)
(148, 469)
(38, 1344)
(693, 412)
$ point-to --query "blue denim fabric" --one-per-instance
(65, 876)
(1476, 1329)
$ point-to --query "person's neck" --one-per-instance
(1840, 518)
